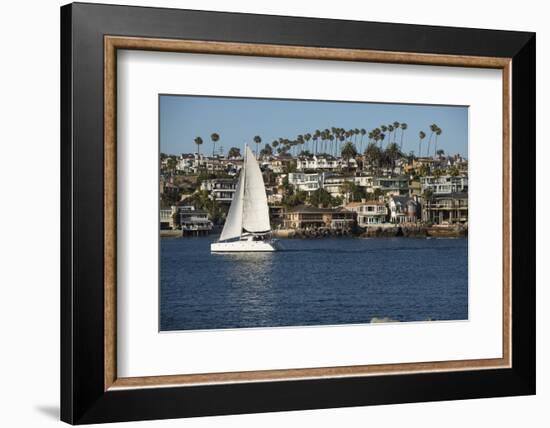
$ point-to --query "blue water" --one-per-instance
(313, 282)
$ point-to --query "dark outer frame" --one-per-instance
(83, 397)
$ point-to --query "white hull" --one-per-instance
(243, 246)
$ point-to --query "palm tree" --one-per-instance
(381, 137)
(390, 129)
(396, 126)
(198, 142)
(404, 127)
(257, 140)
(317, 135)
(438, 132)
(315, 138)
(433, 128)
(421, 136)
(307, 137)
(300, 141)
(341, 139)
(363, 131)
(384, 129)
(214, 137)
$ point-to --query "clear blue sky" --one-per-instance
(238, 120)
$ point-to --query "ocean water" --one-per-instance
(312, 282)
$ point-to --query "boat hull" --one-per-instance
(243, 247)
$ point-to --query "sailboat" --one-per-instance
(247, 227)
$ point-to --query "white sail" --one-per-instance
(255, 209)
(234, 222)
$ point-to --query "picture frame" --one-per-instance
(91, 391)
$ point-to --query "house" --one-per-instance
(447, 209)
(214, 164)
(307, 217)
(280, 164)
(190, 163)
(276, 214)
(307, 182)
(167, 218)
(390, 186)
(321, 162)
(193, 221)
(364, 181)
(369, 212)
(220, 189)
(404, 209)
(350, 163)
(274, 194)
(334, 184)
(444, 184)
(187, 218)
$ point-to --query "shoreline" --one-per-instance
(397, 231)
(383, 231)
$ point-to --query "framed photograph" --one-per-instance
(267, 213)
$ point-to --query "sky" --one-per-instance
(238, 120)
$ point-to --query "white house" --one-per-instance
(307, 182)
(221, 189)
(445, 184)
(322, 162)
(404, 209)
(369, 213)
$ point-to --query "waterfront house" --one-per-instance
(311, 218)
(444, 184)
(369, 213)
(190, 220)
(193, 221)
(221, 189)
(447, 209)
(276, 214)
(404, 209)
(167, 218)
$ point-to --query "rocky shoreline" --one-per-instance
(402, 231)
(398, 231)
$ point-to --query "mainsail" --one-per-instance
(255, 209)
(248, 210)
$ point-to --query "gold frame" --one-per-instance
(112, 43)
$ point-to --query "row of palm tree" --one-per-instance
(331, 141)
(215, 137)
